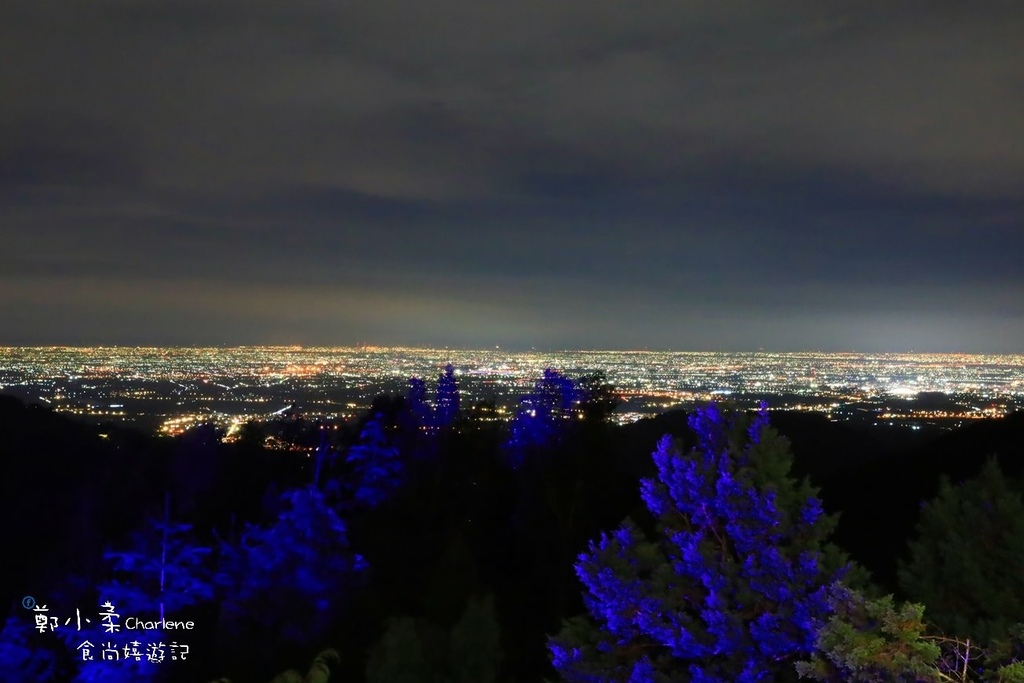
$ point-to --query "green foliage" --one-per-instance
(290, 676)
(475, 643)
(1011, 673)
(1004, 658)
(403, 655)
(967, 563)
(164, 571)
(871, 641)
(320, 672)
(419, 651)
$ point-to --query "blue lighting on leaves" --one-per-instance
(731, 589)
(377, 468)
(542, 414)
(289, 578)
(24, 658)
(447, 408)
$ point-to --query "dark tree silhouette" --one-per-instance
(416, 402)
(290, 581)
(967, 562)
(447, 408)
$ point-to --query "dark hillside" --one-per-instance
(880, 501)
(65, 488)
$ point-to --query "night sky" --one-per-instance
(677, 174)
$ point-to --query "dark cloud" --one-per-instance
(708, 174)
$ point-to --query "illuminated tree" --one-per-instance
(288, 581)
(162, 574)
(447, 408)
(542, 415)
(24, 658)
(376, 466)
(732, 587)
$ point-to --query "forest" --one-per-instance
(433, 542)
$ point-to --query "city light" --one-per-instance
(173, 389)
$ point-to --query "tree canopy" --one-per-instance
(733, 584)
(967, 562)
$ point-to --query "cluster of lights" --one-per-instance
(247, 383)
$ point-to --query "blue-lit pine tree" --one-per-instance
(542, 414)
(24, 658)
(290, 580)
(377, 469)
(447, 408)
(731, 588)
(162, 574)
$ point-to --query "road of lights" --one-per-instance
(180, 387)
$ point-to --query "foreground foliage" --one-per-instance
(967, 562)
(732, 587)
(871, 641)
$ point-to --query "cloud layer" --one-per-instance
(705, 174)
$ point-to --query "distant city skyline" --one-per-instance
(174, 389)
(708, 175)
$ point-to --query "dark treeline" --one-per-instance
(429, 536)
